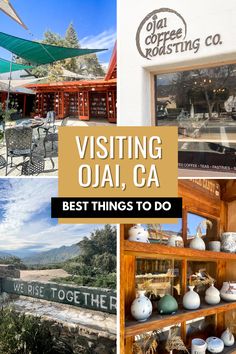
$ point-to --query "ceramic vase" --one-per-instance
(138, 234)
(215, 345)
(228, 338)
(198, 346)
(191, 300)
(141, 308)
(212, 295)
(228, 291)
(167, 305)
(197, 243)
(175, 241)
(214, 246)
(228, 242)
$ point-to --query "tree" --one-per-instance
(100, 241)
(84, 65)
(96, 264)
(206, 85)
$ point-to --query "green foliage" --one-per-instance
(85, 65)
(100, 281)
(96, 264)
(21, 334)
(17, 262)
(6, 114)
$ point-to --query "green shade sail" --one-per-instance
(5, 66)
(39, 53)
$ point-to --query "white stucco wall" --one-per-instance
(202, 17)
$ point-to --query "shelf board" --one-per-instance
(228, 350)
(149, 250)
(157, 321)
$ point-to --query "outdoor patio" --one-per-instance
(42, 166)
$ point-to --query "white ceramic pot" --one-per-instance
(141, 308)
(214, 246)
(191, 300)
(175, 241)
(228, 291)
(138, 234)
(197, 243)
(215, 345)
(212, 295)
(198, 346)
(228, 338)
(228, 242)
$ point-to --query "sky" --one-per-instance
(25, 220)
(94, 20)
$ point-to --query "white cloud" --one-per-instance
(104, 40)
(21, 200)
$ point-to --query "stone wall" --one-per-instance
(84, 331)
(9, 271)
(86, 341)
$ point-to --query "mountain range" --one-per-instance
(56, 255)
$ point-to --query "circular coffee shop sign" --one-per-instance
(164, 32)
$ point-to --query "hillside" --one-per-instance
(53, 256)
(4, 255)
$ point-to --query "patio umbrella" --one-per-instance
(8, 9)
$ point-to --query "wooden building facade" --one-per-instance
(24, 102)
(85, 99)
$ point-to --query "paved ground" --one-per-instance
(42, 275)
(102, 323)
(50, 163)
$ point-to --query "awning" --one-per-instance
(40, 53)
(8, 9)
(5, 66)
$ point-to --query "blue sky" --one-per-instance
(25, 222)
(94, 20)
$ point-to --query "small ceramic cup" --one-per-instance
(198, 346)
(214, 246)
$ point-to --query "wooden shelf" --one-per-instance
(228, 350)
(151, 250)
(157, 321)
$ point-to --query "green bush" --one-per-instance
(21, 334)
(100, 281)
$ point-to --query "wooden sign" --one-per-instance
(90, 298)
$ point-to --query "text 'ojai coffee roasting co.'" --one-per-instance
(180, 71)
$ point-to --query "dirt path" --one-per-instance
(42, 275)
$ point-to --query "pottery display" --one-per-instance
(214, 246)
(138, 234)
(212, 295)
(198, 346)
(197, 243)
(215, 345)
(228, 338)
(228, 291)
(167, 305)
(228, 242)
(175, 241)
(141, 308)
(191, 300)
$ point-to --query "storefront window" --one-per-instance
(202, 104)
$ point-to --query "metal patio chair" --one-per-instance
(18, 144)
(53, 137)
(49, 124)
